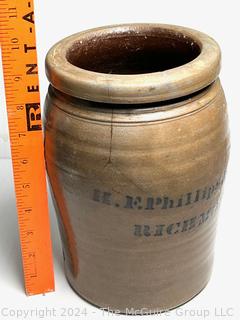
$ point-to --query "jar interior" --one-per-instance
(133, 51)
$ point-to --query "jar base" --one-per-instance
(138, 311)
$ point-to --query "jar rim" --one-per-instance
(156, 86)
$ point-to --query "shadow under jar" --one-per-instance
(136, 147)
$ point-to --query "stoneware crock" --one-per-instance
(136, 147)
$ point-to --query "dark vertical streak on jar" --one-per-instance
(110, 145)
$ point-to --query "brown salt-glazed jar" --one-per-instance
(136, 146)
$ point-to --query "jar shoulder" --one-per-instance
(112, 145)
(90, 110)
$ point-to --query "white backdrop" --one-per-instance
(56, 19)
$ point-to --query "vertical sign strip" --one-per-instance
(19, 57)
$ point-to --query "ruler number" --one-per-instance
(16, 79)
(26, 186)
(31, 255)
(20, 108)
(20, 135)
(24, 161)
(29, 210)
(15, 41)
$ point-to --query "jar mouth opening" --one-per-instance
(133, 63)
(133, 51)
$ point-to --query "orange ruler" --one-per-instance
(20, 71)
